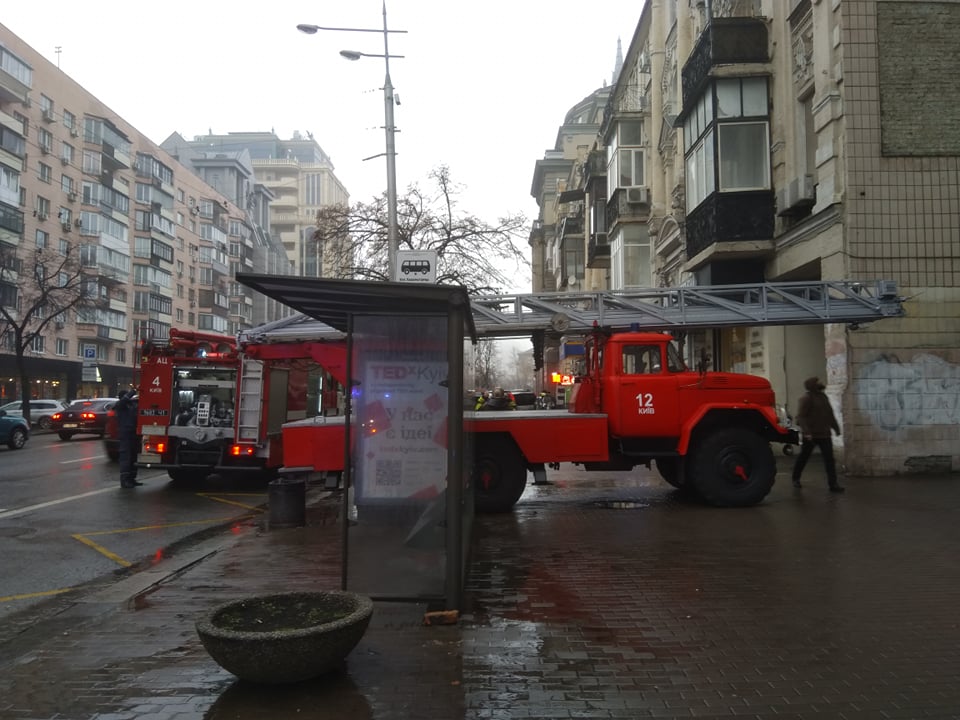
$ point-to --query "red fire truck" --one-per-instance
(206, 408)
(636, 402)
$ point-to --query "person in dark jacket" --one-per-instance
(126, 410)
(816, 419)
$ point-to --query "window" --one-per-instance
(69, 120)
(120, 356)
(46, 108)
(744, 156)
(42, 208)
(66, 216)
(92, 163)
(39, 344)
(625, 156)
(45, 171)
(64, 246)
(45, 140)
(66, 183)
(630, 257)
(641, 359)
(9, 185)
(67, 152)
(179, 315)
(727, 135)
(63, 347)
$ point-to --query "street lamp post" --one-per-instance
(389, 128)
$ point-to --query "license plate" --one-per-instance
(70, 425)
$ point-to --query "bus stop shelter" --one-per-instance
(408, 501)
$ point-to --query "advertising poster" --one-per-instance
(401, 416)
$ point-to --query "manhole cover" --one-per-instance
(620, 504)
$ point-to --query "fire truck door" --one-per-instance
(648, 394)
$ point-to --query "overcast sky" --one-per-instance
(483, 86)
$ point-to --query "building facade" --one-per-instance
(301, 178)
(154, 240)
(803, 141)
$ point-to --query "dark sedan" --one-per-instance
(83, 417)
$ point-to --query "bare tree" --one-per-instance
(486, 364)
(480, 256)
(36, 289)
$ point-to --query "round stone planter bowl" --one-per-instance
(285, 637)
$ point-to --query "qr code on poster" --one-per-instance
(388, 472)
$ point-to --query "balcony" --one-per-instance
(598, 251)
(569, 226)
(724, 41)
(628, 204)
(92, 331)
(734, 225)
(13, 89)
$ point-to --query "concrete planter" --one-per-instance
(285, 637)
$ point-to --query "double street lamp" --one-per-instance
(388, 102)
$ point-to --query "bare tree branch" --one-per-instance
(483, 257)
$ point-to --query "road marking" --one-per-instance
(40, 506)
(85, 537)
(212, 496)
(28, 596)
(92, 457)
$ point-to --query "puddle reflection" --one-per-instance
(334, 696)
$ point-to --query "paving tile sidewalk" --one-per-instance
(600, 596)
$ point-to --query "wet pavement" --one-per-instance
(602, 596)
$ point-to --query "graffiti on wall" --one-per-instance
(895, 395)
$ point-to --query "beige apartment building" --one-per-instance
(749, 141)
(158, 246)
(300, 178)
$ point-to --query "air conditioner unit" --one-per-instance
(59, 325)
(64, 161)
(45, 149)
(72, 196)
(78, 222)
(638, 195)
(48, 115)
(41, 216)
(66, 226)
(74, 132)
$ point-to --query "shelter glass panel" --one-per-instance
(397, 547)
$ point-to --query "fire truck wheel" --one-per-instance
(499, 474)
(733, 467)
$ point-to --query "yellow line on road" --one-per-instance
(28, 596)
(211, 496)
(103, 551)
(85, 537)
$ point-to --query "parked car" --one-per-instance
(40, 410)
(525, 399)
(14, 430)
(83, 417)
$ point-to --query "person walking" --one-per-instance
(816, 419)
(126, 410)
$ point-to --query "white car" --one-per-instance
(40, 411)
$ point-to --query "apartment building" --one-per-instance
(299, 175)
(157, 245)
(813, 140)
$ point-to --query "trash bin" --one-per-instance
(287, 503)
